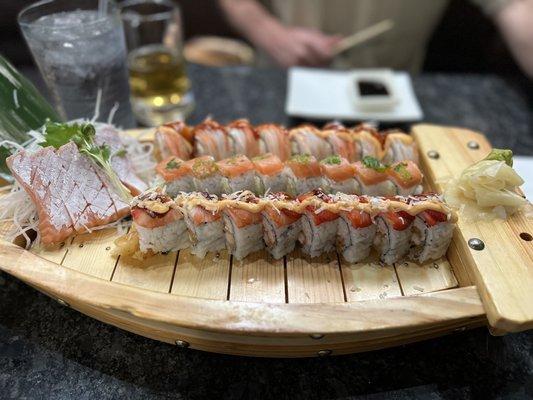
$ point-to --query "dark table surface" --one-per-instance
(49, 351)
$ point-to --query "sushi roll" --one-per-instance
(399, 146)
(206, 175)
(393, 236)
(344, 144)
(271, 174)
(373, 178)
(432, 234)
(243, 137)
(176, 175)
(339, 175)
(237, 173)
(307, 139)
(319, 228)
(355, 235)
(170, 140)
(306, 174)
(368, 143)
(212, 139)
(281, 226)
(243, 227)
(274, 139)
(159, 223)
(406, 177)
(206, 227)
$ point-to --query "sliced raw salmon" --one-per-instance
(173, 168)
(70, 194)
(200, 215)
(337, 168)
(274, 139)
(169, 141)
(405, 174)
(370, 171)
(268, 164)
(304, 166)
(245, 138)
(235, 166)
(243, 218)
(212, 139)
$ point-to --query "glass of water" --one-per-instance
(159, 85)
(80, 49)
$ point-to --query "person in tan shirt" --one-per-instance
(304, 32)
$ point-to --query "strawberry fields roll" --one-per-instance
(271, 174)
(339, 175)
(432, 234)
(243, 228)
(176, 175)
(160, 225)
(206, 227)
(319, 228)
(206, 175)
(393, 237)
(355, 235)
(281, 227)
(306, 174)
(373, 178)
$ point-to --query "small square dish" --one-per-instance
(328, 94)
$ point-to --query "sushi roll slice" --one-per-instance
(176, 175)
(393, 236)
(206, 227)
(159, 223)
(206, 175)
(243, 228)
(368, 143)
(339, 175)
(399, 146)
(344, 144)
(406, 177)
(281, 226)
(319, 228)
(274, 139)
(238, 173)
(212, 139)
(306, 174)
(355, 235)
(372, 177)
(170, 140)
(243, 137)
(307, 139)
(271, 174)
(432, 234)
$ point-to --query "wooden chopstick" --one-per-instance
(363, 36)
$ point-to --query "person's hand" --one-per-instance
(290, 46)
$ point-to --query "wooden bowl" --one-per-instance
(299, 307)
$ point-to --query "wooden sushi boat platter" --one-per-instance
(296, 306)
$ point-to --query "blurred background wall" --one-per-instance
(464, 41)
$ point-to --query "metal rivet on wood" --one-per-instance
(108, 248)
(476, 244)
(182, 343)
(460, 329)
(473, 145)
(324, 353)
(433, 154)
(316, 336)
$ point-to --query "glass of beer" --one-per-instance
(160, 89)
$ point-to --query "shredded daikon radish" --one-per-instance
(487, 189)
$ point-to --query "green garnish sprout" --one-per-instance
(374, 163)
(301, 158)
(332, 160)
(173, 164)
(401, 169)
(57, 134)
(505, 155)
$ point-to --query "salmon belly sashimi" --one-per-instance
(70, 194)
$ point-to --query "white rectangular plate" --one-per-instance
(326, 94)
